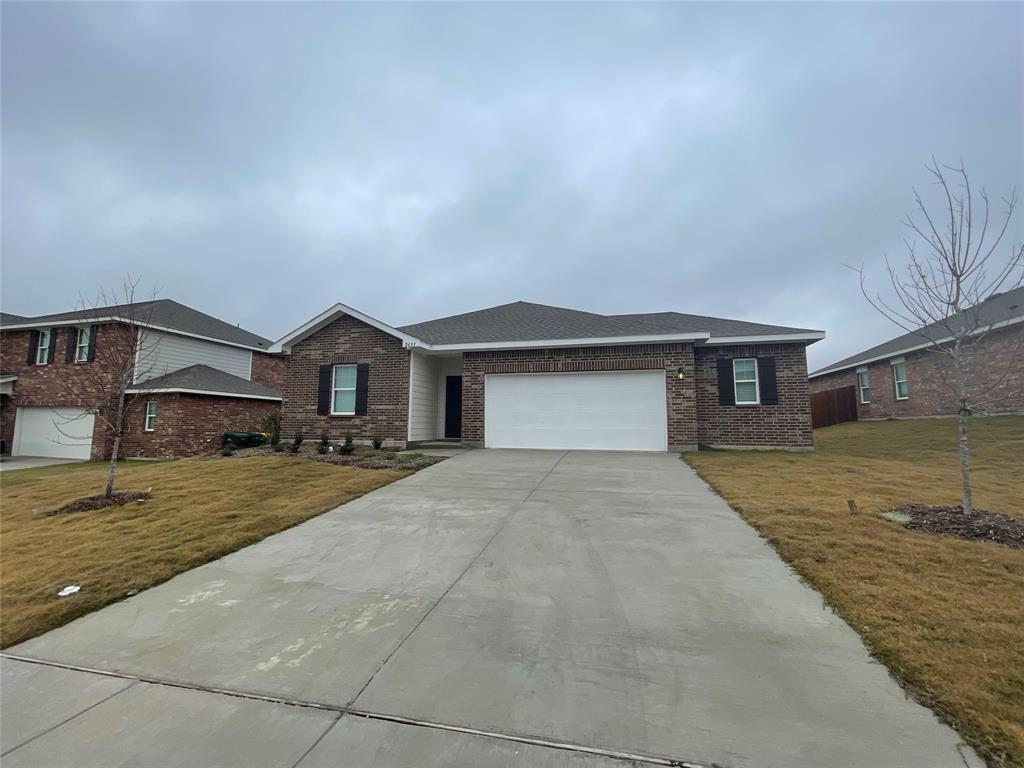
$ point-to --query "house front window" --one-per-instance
(150, 424)
(864, 387)
(43, 350)
(899, 379)
(343, 395)
(744, 375)
(82, 346)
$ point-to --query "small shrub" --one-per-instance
(278, 447)
(296, 442)
(378, 441)
(272, 427)
(390, 456)
(325, 443)
(346, 449)
(348, 438)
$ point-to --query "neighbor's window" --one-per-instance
(82, 346)
(150, 415)
(744, 375)
(864, 385)
(899, 378)
(43, 350)
(343, 398)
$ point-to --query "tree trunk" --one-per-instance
(116, 448)
(965, 459)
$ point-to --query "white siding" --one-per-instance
(165, 352)
(422, 397)
(447, 366)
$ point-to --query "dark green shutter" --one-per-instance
(767, 381)
(33, 345)
(323, 390)
(94, 331)
(72, 341)
(726, 390)
(362, 387)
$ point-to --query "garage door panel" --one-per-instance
(61, 433)
(610, 411)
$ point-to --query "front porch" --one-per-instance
(435, 399)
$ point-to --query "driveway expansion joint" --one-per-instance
(539, 741)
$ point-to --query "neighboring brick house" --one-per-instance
(528, 375)
(906, 377)
(194, 377)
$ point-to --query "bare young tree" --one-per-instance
(122, 352)
(939, 294)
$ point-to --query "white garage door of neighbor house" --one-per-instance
(621, 411)
(59, 433)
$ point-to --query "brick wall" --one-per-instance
(787, 424)
(347, 340)
(189, 424)
(7, 422)
(681, 400)
(76, 385)
(1000, 364)
(269, 370)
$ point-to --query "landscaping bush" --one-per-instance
(272, 427)
(325, 443)
(296, 442)
(378, 441)
(348, 446)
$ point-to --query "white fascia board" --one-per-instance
(546, 343)
(312, 326)
(5, 379)
(125, 320)
(187, 391)
(915, 348)
(774, 338)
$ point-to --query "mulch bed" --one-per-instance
(980, 525)
(363, 457)
(91, 503)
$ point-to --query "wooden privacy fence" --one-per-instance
(833, 406)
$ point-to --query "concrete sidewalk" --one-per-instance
(597, 605)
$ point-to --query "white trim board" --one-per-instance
(126, 321)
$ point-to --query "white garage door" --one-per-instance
(60, 433)
(622, 411)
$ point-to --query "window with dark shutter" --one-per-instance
(766, 378)
(726, 392)
(362, 387)
(51, 353)
(93, 332)
(323, 391)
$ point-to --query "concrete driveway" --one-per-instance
(503, 608)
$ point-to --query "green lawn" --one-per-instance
(945, 615)
(200, 510)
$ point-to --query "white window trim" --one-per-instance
(334, 389)
(896, 381)
(757, 382)
(44, 333)
(861, 387)
(146, 423)
(83, 332)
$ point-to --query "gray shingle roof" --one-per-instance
(161, 312)
(525, 321)
(206, 379)
(995, 309)
(8, 318)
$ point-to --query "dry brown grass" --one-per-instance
(200, 510)
(945, 615)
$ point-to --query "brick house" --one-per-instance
(528, 375)
(903, 378)
(194, 377)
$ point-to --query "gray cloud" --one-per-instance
(262, 161)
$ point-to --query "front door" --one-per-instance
(453, 407)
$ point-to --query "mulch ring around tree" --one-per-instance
(92, 503)
(980, 525)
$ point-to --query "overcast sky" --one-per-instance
(262, 161)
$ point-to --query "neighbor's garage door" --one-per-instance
(621, 411)
(60, 433)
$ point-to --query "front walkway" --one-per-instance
(503, 608)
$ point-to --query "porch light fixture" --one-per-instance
(679, 374)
